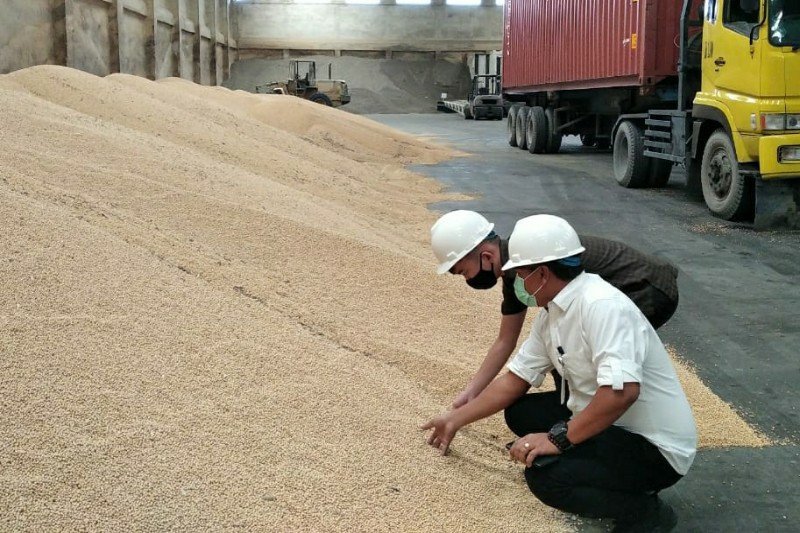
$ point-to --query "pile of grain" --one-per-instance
(218, 310)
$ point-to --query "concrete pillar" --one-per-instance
(229, 38)
(150, 39)
(60, 32)
(179, 28)
(214, 27)
(198, 36)
(114, 17)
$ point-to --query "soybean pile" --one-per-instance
(219, 310)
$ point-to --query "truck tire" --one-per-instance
(536, 132)
(553, 143)
(588, 139)
(660, 170)
(726, 191)
(522, 123)
(320, 98)
(467, 113)
(511, 125)
(631, 167)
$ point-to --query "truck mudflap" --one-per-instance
(778, 183)
(777, 204)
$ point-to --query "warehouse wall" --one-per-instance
(149, 38)
(278, 25)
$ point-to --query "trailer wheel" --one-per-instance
(631, 168)
(467, 113)
(522, 123)
(553, 143)
(660, 170)
(726, 191)
(536, 130)
(587, 139)
(511, 125)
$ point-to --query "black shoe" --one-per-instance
(658, 517)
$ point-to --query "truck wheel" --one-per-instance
(660, 170)
(553, 143)
(631, 167)
(467, 112)
(321, 98)
(587, 139)
(522, 122)
(536, 132)
(725, 189)
(511, 124)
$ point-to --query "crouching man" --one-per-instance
(626, 431)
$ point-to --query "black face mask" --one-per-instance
(485, 279)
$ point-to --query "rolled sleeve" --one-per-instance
(616, 373)
(531, 363)
(616, 331)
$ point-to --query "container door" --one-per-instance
(731, 73)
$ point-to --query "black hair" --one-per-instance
(491, 237)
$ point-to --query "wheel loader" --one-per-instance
(303, 83)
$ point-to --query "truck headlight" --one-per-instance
(789, 154)
(773, 121)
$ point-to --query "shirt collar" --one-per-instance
(567, 295)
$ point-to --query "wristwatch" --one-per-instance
(558, 436)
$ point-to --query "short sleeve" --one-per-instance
(616, 334)
(531, 363)
(511, 304)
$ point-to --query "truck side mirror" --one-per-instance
(749, 6)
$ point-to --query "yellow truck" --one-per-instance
(736, 128)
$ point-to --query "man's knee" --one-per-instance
(546, 487)
(514, 415)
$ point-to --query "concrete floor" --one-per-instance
(736, 320)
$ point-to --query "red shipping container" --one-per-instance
(552, 45)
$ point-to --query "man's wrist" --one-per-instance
(558, 436)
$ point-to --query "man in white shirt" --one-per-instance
(627, 430)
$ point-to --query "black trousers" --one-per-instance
(612, 475)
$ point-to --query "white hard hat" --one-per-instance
(540, 239)
(455, 235)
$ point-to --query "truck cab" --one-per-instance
(747, 111)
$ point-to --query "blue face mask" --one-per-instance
(524, 296)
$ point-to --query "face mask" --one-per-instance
(528, 300)
(485, 279)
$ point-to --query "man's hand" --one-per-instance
(532, 445)
(444, 430)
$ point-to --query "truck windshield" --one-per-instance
(784, 23)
